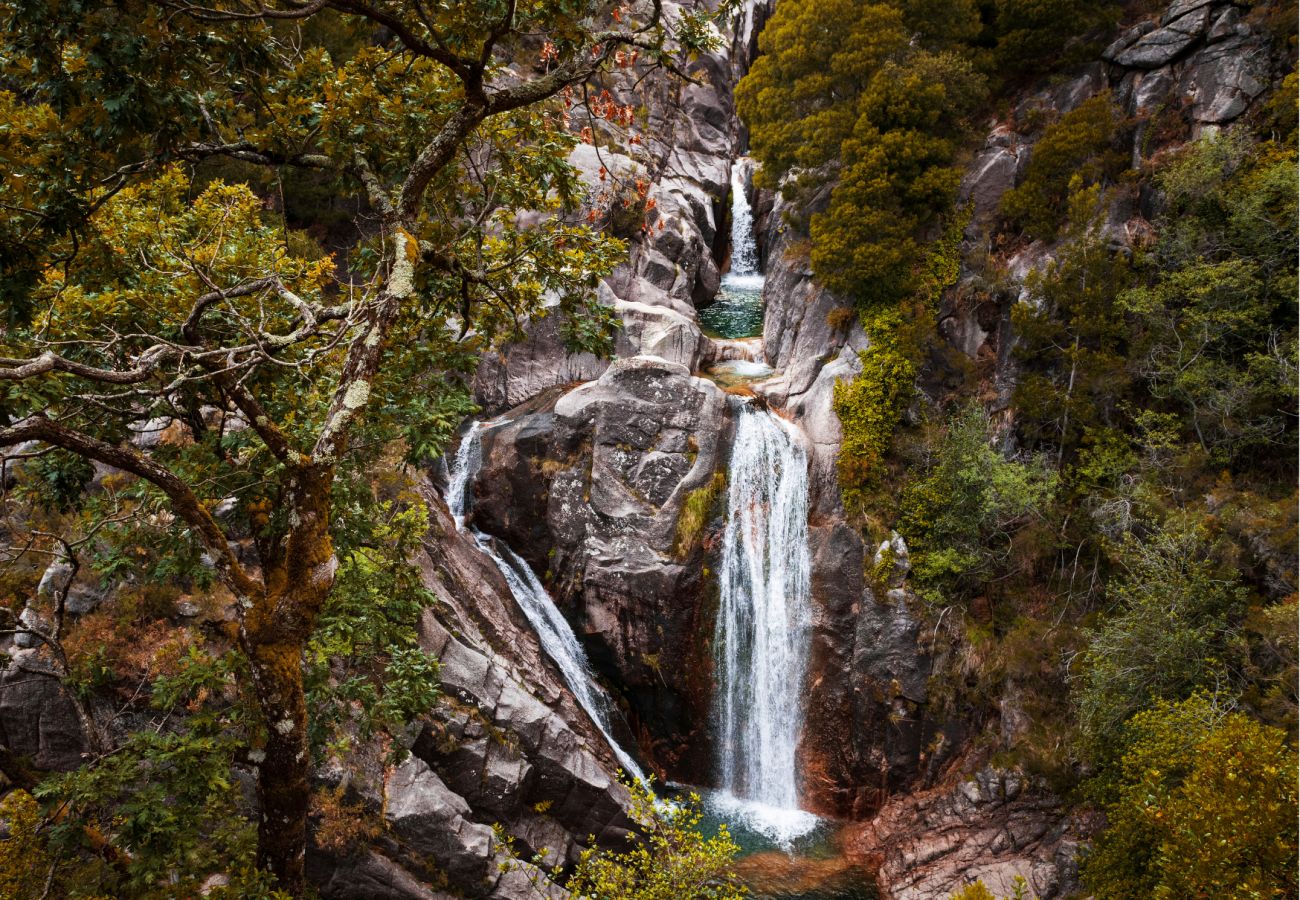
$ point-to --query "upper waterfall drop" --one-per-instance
(736, 313)
(552, 629)
(761, 638)
(746, 273)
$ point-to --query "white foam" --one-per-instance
(764, 622)
(781, 825)
(552, 629)
(740, 281)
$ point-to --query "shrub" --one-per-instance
(959, 516)
(1032, 33)
(670, 857)
(871, 405)
(1072, 154)
(978, 891)
(1201, 805)
(1168, 635)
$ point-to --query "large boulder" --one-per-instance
(589, 488)
(37, 720)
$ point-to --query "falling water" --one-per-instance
(762, 633)
(737, 312)
(553, 631)
(745, 273)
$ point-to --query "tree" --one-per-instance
(1071, 337)
(799, 99)
(1214, 326)
(140, 286)
(897, 178)
(1073, 153)
(959, 515)
(1031, 34)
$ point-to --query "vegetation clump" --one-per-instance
(696, 512)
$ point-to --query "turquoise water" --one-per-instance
(736, 313)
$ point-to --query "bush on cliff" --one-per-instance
(1202, 804)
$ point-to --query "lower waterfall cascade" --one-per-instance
(761, 638)
(552, 629)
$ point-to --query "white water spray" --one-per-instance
(553, 630)
(745, 274)
(762, 633)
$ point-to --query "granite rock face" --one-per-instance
(37, 720)
(1199, 62)
(507, 745)
(674, 263)
(1161, 46)
(993, 827)
(589, 488)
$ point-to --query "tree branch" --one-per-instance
(183, 500)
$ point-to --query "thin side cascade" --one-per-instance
(762, 633)
(745, 272)
(552, 629)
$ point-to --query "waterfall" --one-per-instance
(745, 274)
(762, 634)
(553, 631)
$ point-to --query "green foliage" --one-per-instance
(62, 479)
(24, 860)
(897, 177)
(365, 666)
(942, 23)
(1072, 334)
(1214, 334)
(841, 94)
(871, 405)
(1074, 153)
(978, 891)
(1202, 803)
(959, 515)
(799, 96)
(166, 799)
(670, 857)
(1031, 34)
(1170, 632)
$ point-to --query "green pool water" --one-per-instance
(736, 313)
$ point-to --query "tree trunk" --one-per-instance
(299, 577)
(283, 781)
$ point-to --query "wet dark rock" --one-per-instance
(369, 875)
